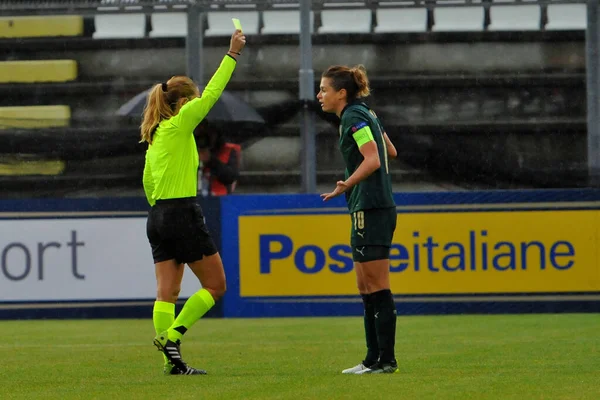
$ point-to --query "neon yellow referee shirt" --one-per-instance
(171, 168)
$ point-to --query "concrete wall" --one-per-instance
(282, 61)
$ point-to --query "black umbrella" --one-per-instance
(229, 108)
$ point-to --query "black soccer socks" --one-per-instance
(385, 324)
(370, 331)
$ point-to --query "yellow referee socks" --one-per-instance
(163, 316)
(193, 309)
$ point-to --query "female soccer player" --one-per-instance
(175, 227)
(365, 148)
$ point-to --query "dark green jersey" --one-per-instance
(359, 125)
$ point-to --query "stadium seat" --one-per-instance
(38, 71)
(219, 22)
(41, 26)
(284, 22)
(567, 17)
(168, 24)
(401, 20)
(345, 21)
(458, 19)
(23, 165)
(119, 26)
(515, 18)
(34, 116)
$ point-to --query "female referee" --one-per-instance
(175, 227)
(365, 148)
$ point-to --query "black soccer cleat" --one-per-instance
(172, 351)
(170, 369)
(381, 368)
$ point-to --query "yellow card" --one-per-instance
(236, 23)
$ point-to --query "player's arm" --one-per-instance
(148, 182)
(194, 111)
(391, 149)
(361, 133)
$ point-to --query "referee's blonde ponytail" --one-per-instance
(353, 79)
(164, 101)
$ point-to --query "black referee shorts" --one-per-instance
(176, 230)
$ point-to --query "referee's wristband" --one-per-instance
(234, 52)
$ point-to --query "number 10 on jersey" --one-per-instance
(359, 220)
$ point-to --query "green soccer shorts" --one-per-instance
(372, 233)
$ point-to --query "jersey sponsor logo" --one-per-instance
(358, 126)
(431, 253)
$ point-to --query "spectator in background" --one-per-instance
(219, 171)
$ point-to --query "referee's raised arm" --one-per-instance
(179, 100)
(196, 110)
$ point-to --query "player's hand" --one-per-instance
(340, 188)
(238, 41)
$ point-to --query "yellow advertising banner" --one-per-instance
(432, 253)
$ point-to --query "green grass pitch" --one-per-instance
(479, 357)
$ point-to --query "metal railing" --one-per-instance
(87, 7)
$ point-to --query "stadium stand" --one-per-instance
(28, 72)
(433, 79)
